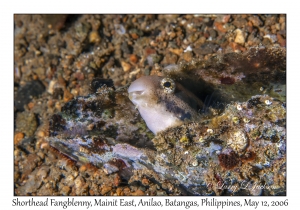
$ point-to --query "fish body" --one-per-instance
(163, 102)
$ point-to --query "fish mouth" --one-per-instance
(134, 95)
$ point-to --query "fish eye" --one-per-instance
(168, 85)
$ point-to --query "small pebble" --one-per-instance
(161, 193)
(67, 96)
(256, 21)
(58, 106)
(94, 37)
(126, 191)
(138, 192)
(105, 189)
(41, 155)
(206, 48)
(26, 93)
(117, 180)
(176, 51)
(30, 105)
(145, 181)
(79, 182)
(220, 27)
(82, 168)
(134, 35)
(51, 86)
(65, 190)
(18, 137)
(40, 134)
(119, 191)
(239, 37)
(126, 66)
(90, 126)
(44, 145)
(188, 56)
(133, 58)
(26, 123)
(281, 40)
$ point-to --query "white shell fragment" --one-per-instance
(268, 102)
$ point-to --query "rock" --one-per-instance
(161, 193)
(176, 51)
(94, 37)
(223, 18)
(170, 58)
(67, 96)
(42, 173)
(270, 20)
(148, 51)
(105, 189)
(30, 105)
(266, 42)
(79, 76)
(79, 185)
(240, 22)
(236, 47)
(145, 181)
(58, 93)
(40, 72)
(256, 21)
(220, 27)
(126, 191)
(281, 40)
(271, 37)
(239, 37)
(135, 33)
(138, 192)
(206, 48)
(18, 137)
(26, 123)
(61, 81)
(125, 48)
(155, 58)
(119, 191)
(212, 33)
(65, 190)
(117, 180)
(51, 86)
(126, 66)
(82, 168)
(192, 37)
(188, 56)
(25, 94)
(56, 21)
(133, 58)
(32, 184)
